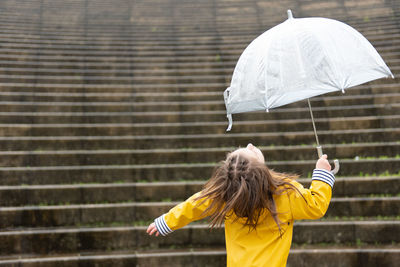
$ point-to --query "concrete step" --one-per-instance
(166, 92)
(159, 106)
(205, 24)
(388, 45)
(28, 195)
(270, 126)
(227, 7)
(195, 116)
(190, 155)
(138, 68)
(390, 87)
(385, 32)
(239, 38)
(301, 257)
(390, 35)
(70, 240)
(170, 172)
(376, 86)
(156, 62)
(165, 31)
(126, 71)
(34, 143)
(118, 97)
(193, 26)
(123, 80)
(113, 80)
(211, 77)
(59, 87)
(133, 62)
(213, 66)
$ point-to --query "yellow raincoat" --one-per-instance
(263, 246)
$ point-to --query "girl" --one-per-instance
(256, 205)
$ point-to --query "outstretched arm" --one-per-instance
(179, 216)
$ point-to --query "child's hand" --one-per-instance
(323, 163)
(152, 229)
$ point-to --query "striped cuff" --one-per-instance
(324, 176)
(162, 226)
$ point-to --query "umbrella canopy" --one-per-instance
(299, 59)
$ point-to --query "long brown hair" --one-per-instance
(243, 188)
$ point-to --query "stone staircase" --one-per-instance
(111, 112)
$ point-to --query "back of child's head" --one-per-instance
(242, 186)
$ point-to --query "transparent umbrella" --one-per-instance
(299, 59)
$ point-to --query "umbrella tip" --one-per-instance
(289, 14)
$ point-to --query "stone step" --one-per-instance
(223, 7)
(90, 88)
(386, 45)
(213, 66)
(125, 72)
(187, 26)
(128, 79)
(197, 27)
(172, 172)
(377, 85)
(158, 92)
(334, 8)
(166, 156)
(134, 61)
(33, 143)
(391, 34)
(385, 32)
(384, 36)
(160, 106)
(190, 155)
(301, 257)
(216, 55)
(196, 116)
(114, 80)
(386, 29)
(138, 68)
(161, 25)
(28, 195)
(270, 126)
(391, 87)
(51, 241)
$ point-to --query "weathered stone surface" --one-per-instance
(171, 172)
(341, 257)
(67, 215)
(164, 191)
(98, 239)
(198, 155)
(118, 95)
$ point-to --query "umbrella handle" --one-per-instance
(336, 162)
(337, 166)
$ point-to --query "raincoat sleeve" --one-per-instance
(312, 203)
(181, 215)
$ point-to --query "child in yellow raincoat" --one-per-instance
(257, 206)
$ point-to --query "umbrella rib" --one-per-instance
(313, 123)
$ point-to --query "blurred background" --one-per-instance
(112, 111)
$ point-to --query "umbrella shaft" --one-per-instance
(313, 123)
